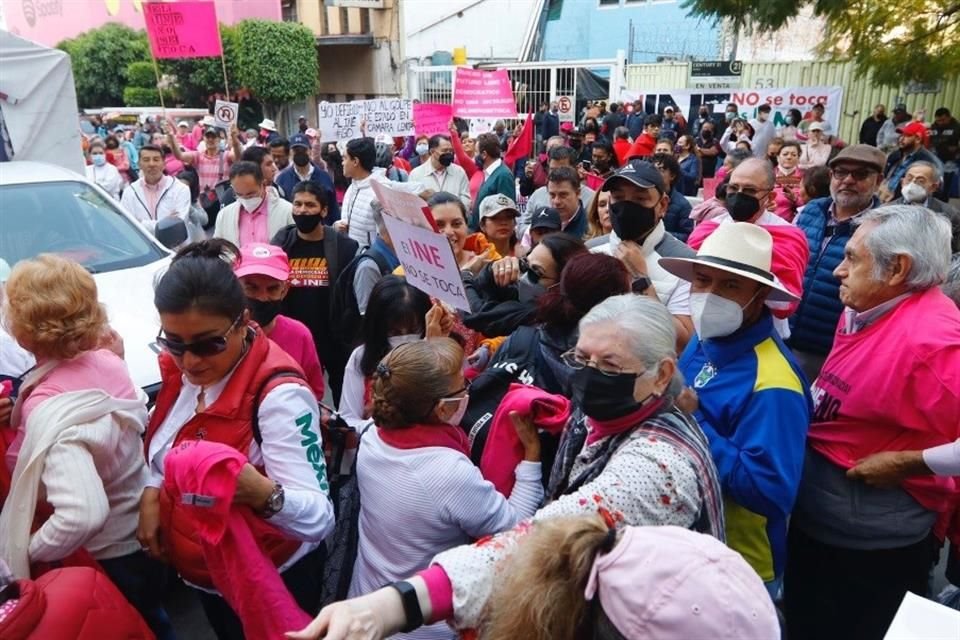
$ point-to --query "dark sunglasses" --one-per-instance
(858, 174)
(533, 276)
(203, 348)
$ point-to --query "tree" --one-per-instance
(200, 80)
(100, 59)
(895, 42)
(277, 61)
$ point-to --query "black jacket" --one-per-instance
(495, 311)
(338, 248)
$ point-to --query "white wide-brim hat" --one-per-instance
(740, 248)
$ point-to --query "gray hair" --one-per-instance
(914, 231)
(934, 169)
(951, 288)
(648, 327)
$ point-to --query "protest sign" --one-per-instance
(688, 101)
(404, 205)
(430, 118)
(225, 114)
(428, 262)
(483, 94)
(922, 619)
(343, 120)
(182, 29)
(481, 125)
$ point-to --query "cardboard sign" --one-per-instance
(483, 94)
(688, 102)
(182, 29)
(342, 120)
(404, 205)
(430, 118)
(225, 114)
(428, 262)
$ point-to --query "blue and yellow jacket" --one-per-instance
(755, 408)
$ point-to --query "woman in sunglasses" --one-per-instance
(419, 492)
(224, 381)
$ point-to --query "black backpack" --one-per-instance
(345, 318)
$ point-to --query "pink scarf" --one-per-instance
(426, 435)
(600, 429)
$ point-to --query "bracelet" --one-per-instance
(411, 605)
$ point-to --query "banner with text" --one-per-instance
(182, 29)
(689, 101)
(432, 118)
(483, 94)
(343, 120)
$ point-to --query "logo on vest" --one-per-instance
(311, 442)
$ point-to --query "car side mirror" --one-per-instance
(171, 232)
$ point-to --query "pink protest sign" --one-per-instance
(483, 94)
(431, 118)
(182, 29)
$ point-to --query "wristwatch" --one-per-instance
(274, 502)
(411, 605)
(641, 284)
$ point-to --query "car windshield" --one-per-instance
(73, 220)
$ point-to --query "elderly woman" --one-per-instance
(634, 459)
(788, 193)
(104, 174)
(817, 150)
(80, 420)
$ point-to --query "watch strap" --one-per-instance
(411, 605)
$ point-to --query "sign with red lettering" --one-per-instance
(182, 29)
(483, 94)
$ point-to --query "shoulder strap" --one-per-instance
(222, 160)
(258, 398)
(330, 246)
(380, 260)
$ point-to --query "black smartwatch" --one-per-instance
(641, 284)
(411, 605)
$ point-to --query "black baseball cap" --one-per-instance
(638, 172)
(547, 218)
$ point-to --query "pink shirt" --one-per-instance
(100, 369)
(208, 167)
(293, 337)
(252, 225)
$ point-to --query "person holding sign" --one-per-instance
(439, 172)
(211, 163)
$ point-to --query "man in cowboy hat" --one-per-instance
(749, 394)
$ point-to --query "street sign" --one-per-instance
(715, 74)
(565, 107)
(225, 113)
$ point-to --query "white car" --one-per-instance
(48, 209)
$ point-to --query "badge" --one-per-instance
(707, 372)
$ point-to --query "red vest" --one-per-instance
(228, 420)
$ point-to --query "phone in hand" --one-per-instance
(587, 165)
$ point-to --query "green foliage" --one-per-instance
(200, 78)
(895, 42)
(141, 96)
(100, 59)
(277, 61)
(141, 74)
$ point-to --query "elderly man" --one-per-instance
(828, 224)
(921, 182)
(753, 403)
(912, 137)
(440, 173)
(891, 382)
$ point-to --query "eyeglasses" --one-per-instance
(747, 191)
(841, 174)
(534, 274)
(203, 348)
(457, 395)
(577, 362)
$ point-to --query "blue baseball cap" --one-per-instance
(299, 140)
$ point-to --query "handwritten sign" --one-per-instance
(483, 94)
(225, 114)
(430, 118)
(428, 262)
(182, 29)
(342, 120)
(481, 125)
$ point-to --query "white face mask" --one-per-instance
(454, 420)
(714, 316)
(396, 341)
(250, 204)
(914, 193)
(422, 149)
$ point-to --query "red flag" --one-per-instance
(522, 145)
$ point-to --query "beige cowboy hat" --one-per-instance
(740, 248)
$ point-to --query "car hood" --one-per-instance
(128, 296)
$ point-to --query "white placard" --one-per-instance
(225, 114)
(565, 108)
(428, 262)
(922, 619)
(343, 120)
(481, 125)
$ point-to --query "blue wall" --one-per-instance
(587, 30)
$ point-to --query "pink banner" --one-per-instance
(483, 94)
(431, 118)
(182, 29)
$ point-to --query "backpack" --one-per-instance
(345, 318)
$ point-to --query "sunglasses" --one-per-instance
(532, 274)
(858, 174)
(203, 348)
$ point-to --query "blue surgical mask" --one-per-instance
(422, 149)
(99, 159)
(223, 145)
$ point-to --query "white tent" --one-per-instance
(38, 104)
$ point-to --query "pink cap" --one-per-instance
(674, 584)
(566, 127)
(311, 132)
(263, 259)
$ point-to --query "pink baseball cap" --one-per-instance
(670, 583)
(263, 259)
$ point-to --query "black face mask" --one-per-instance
(446, 159)
(741, 206)
(301, 158)
(707, 135)
(263, 311)
(704, 115)
(604, 397)
(632, 221)
(306, 224)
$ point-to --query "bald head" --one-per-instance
(750, 189)
(758, 171)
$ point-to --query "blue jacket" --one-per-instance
(288, 179)
(677, 219)
(815, 321)
(755, 408)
